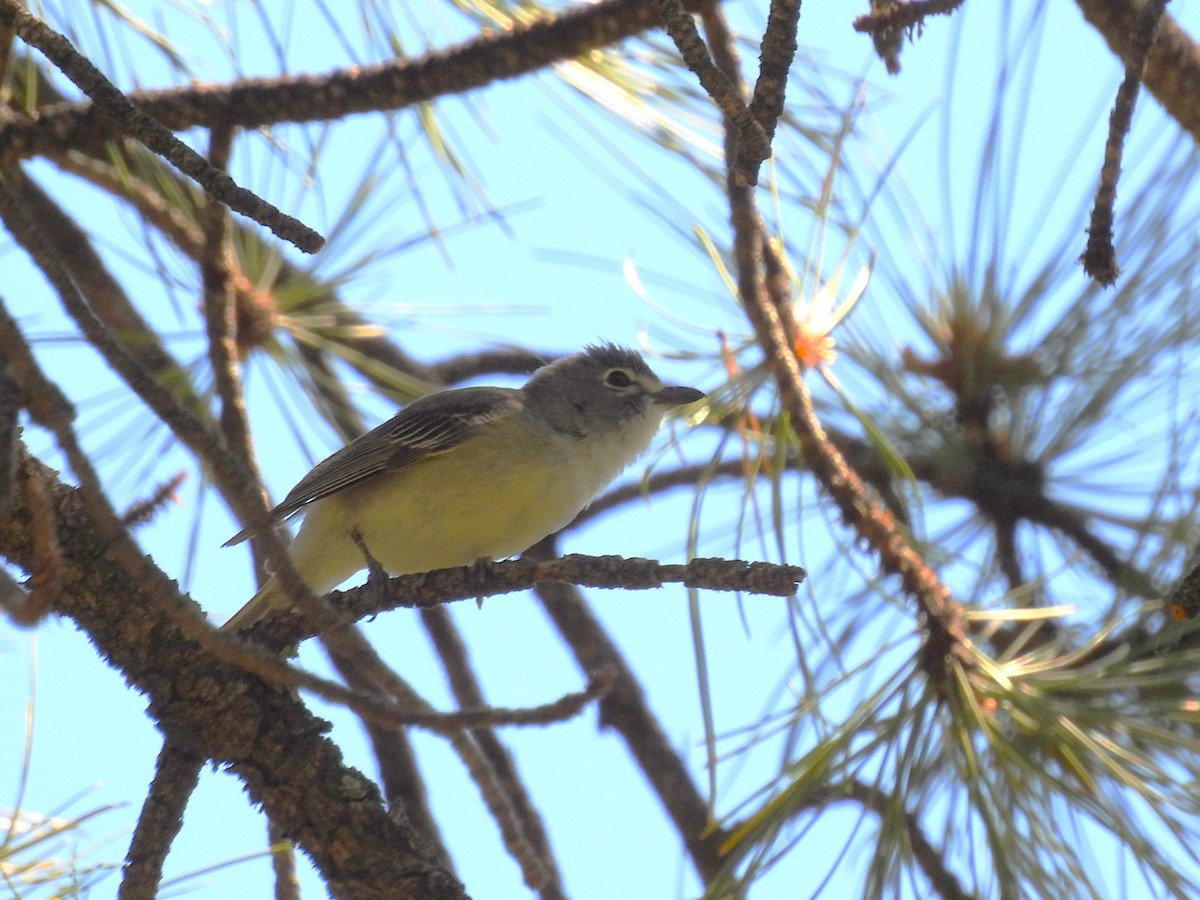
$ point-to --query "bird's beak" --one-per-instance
(677, 396)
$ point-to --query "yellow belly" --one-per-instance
(495, 496)
(411, 526)
(490, 498)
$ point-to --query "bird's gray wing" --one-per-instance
(426, 427)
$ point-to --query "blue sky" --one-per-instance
(504, 286)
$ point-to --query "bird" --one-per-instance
(469, 474)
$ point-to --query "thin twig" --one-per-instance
(753, 141)
(404, 788)
(221, 327)
(411, 707)
(900, 16)
(134, 121)
(220, 314)
(501, 361)
(482, 719)
(428, 589)
(931, 861)
(1100, 257)
(283, 863)
(625, 709)
(762, 288)
(452, 651)
(141, 512)
(506, 53)
(775, 61)
(658, 482)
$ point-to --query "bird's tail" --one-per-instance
(270, 598)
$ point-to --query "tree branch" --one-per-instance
(218, 712)
(625, 710)
(452, 651)
(1100, 257)
(129, 119)
(1172, 66)
(763, 290)
(404, 789)
(176, 774)
(258, 102)
(370, 669)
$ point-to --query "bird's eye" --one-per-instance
(618, 379)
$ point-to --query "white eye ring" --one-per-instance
(618, 378)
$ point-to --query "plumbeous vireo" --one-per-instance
(471, 473)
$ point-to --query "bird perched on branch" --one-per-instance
(471, 473)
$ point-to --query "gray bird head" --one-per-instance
(605, 388)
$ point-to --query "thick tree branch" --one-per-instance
(176, 774)
(403, 786)
(370, 669)
(218, 712)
